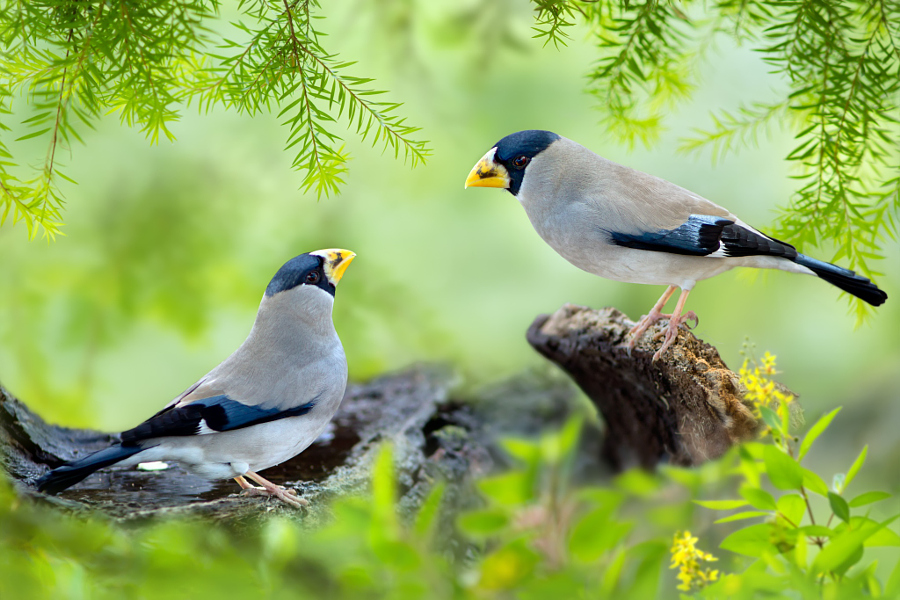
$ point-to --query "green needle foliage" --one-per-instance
(837, 64)
(75, 61)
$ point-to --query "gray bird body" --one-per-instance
(622, 224)
(289, 359)
(262, 405)
(575, 208)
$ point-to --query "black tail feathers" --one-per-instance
(71, 473)
(845, 279)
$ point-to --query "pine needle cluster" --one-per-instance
(73, 61)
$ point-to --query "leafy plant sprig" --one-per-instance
(791, 532)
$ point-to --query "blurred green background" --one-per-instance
(168, 248)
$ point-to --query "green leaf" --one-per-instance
(644, 583)
(839, 506)
(771, 418)
(892, 587)
(784, 472)
(384, 490)
(815, 431)
(883, 537)
(613, 573)
(690, 478)
(721, 504)
(483, 523)
(751, 541)
(570, 434)
(427, 517)
(638, 482)
(595, 534)
(33, 134)
(869, 498)
(814, 483)
(856, 466)
(758, 498)
(753, 450)
(792, 507)
(743, 515)
(397, 554)
(526, 451)
(509, 489)
(601, 496)
(508, 566)
(844, 549)
(816, 531)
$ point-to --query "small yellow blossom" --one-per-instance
(687, 557)
(761, 390)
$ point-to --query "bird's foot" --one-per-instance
(682, 322)
(650, 318)
(671, 332)
(645, 323)
(289, 497)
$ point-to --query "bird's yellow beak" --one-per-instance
(336, 262)
(488, 173)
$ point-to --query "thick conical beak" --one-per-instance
(336, 262)
(488, 173)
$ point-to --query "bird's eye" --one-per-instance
(520, 161)
(312, 277)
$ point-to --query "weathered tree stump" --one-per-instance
(685, 408)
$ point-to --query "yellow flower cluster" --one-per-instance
(760, 389)
(687, 557)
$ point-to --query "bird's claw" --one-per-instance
(289, 497)
(643, 324)
(646, 322)
(261, 491)
(671, 332)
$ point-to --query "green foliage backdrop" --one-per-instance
(167, 247)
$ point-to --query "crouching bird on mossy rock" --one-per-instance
(626, 225)
(263, 405)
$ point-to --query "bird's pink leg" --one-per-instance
(270, 489)
(650, 318)
(675, 321)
